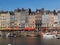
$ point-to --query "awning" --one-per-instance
(2, 28)
(31, 29)
(43, 28)
(11, 29)
(16, 29)
(53, 28)
(7, 28)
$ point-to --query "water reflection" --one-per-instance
(31, 41)
(28, 41)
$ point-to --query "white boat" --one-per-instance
(49, 36)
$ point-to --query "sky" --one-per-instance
(33, 4)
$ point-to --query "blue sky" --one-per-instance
(33, 4)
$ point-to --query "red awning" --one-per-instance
(31, 29)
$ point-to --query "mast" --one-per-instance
(47, 27)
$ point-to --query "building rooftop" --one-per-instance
(4, 11)
(38, 11)
(11, 12)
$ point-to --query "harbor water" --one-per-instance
(28, 41)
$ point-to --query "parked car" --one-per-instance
(49, 36)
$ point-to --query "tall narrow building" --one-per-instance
(4, 19)
(20, 18)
